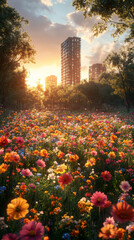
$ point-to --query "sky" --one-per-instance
(51, 22)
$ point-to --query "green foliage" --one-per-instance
(121, 74)
(106, 10)
(15, 51)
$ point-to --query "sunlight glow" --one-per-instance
(34, 75)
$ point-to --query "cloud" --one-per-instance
(99, 52)
(46, 35)
(47, 2)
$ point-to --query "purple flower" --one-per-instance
(32, 231)
(10, 236)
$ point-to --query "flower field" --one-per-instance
(66, 176)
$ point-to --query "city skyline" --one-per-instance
(50, 23)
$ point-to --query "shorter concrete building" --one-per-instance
(50, 82)
(95, 71)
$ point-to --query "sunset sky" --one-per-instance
(50, 23)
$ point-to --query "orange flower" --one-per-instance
(120, 233)
(44, 153)
(112, 155)
(18, 208)
(60, 154)
(107, 232)
(3, 168)
(73, 158)
(90, 162)
(123, 212)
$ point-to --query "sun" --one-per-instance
(39, 75)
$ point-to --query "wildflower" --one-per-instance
(120, 233)
(3, 141)
(85, 205)
(112, 155)
(109, 220)
(108, 232)
(20, 140)
(32, 231)
(90, 162)
(26, 172)
(60, 154)
(18, 208)
(66, 236)
(122, 212)
(106, 176)
(61, 168)
(125, 186)
(73, 158)
(32, 186)
(40, 163)
(65, 179)
(130, 228)
(3, 168)
(99, 199)
(44, 153)
(10, 236)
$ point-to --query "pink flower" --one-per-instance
(10, 236)
(32, 231)
(109, 220)
(93, 152)
(99, 199)
(1, 151)
(26, 172)
(32, 185)
(40, 163)
(125, 186)
(20, 140)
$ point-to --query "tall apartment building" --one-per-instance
(95, 71)
(71, 61)
(50, 82)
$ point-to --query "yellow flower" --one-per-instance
(61, 168)
(18, 208)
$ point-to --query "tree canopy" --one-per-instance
(121, 73)
(15, 49)
(116, 13)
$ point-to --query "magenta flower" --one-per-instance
(32, 231)
(26, 172)
(40, 163)
(10, 236)
(99, 199)
(20, 140)
(32, 185)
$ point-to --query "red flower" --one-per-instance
(3, 141)
(106, 176)
(65, 179)
(123, 212)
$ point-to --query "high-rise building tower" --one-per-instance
(50, 82)
(95, 71)
(71, 61)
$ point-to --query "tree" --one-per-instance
(116, 13)
(15, 49)
(121, 73)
